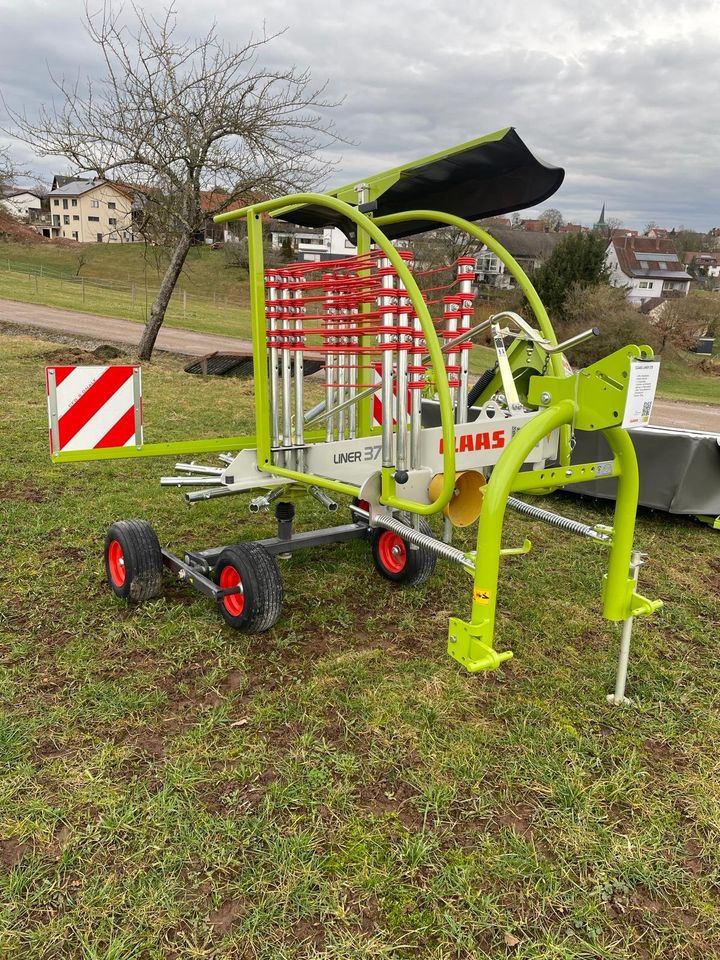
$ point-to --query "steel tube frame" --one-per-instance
(257, 312)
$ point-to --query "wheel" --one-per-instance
(397, 561)
(133, 560)
(258, 605)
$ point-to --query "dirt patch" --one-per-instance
(222, 919)
(74, 356)
(23, 491)
(519, 819)
(382, 798)
(12, 851)
(308, 933)
(712, 578)
(244, 793)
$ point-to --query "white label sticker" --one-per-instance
(642, 384)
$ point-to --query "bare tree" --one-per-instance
(553, 218)
(442, 247)
(171, 118)
(680, 322)
(6, 167)
(9, 170)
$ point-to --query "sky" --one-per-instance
(623, 95)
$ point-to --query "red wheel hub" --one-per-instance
(235, 603)
(116, 563)
(392, 551)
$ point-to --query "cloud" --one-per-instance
(620, 95)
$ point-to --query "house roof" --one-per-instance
(213, 200)
(649, 258)
(8, 191)
(60, 179)
(702, 257)
(527, 244)
(76, 188)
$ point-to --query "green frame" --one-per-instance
(591, 399)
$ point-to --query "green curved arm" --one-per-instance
(423, 315)
(518, 274)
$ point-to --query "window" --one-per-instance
(98, 237)
(73, 203)
(56, 202)
(75, 235)
(111, 205)
(65, 204)
(646, 284)
(75, 217)
(66, 219)
(56, 219)
(94, 219)
(95, 203)
(112, 221)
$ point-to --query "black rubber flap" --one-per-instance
(485, 180)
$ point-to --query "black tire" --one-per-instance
(259, 605)
(133, 560)
(397, 561)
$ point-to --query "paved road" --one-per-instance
(111, 330)
(666, 413)
(690, 416)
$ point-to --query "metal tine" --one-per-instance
(285, 354)
(190, 481)
(199, 468)
(317, 414)
(299, 369)
(272, 314)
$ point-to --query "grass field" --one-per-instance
(205, 272)
(338, 788)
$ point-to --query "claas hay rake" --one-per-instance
(399, 430)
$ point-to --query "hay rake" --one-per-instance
(399, 429)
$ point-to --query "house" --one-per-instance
(19, 201)
(571, 228)
(657, 233)
(310, 244)
(649, 268)
(535, 226)
(92, 211)
(490, 223)
(529, 248)
(702, 264)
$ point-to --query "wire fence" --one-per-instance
(125, 297)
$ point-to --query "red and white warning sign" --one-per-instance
(94, 407)
(377, 402)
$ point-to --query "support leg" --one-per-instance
(472, 643)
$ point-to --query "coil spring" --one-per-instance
(420, 539)
(563, 523)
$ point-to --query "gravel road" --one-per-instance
(89, 326)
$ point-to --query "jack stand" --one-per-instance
(285, 514)
(618, 698)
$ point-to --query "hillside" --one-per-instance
(205, 272)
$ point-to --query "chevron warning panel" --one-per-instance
(94, 407)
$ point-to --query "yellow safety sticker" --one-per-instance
(481, 596)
